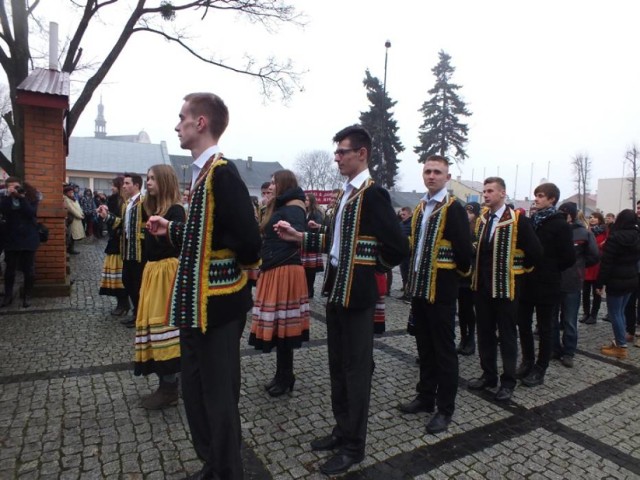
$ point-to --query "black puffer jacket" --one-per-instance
(618, 266)
(275, 251)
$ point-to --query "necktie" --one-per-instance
(487, 237)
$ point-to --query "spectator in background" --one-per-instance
(88, 207)
(74, 218)
(312, 262)
(405, 225)
(609, 218)
(618, 274)
(590, 309)
(565, 318)
(632, 310)
(19, 210)
(466, 308)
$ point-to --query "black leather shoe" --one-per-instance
(329, 442)
(417, 405)
(504, 394)
(535, 377)
(523, 370)
(439, 423)
(201, 475)
(481, 383)
(469, 348)
(128, 322)
(340, 463)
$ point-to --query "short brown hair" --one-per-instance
(438, 158)
(550, 190)
(212, 107)
(497, 180)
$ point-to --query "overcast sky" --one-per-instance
(545, 80)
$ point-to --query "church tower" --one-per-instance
(101, 123)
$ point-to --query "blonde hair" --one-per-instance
(581, 220)
(167, 188)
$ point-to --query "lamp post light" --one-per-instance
(383, 118)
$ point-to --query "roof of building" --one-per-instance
(253, 173)
(405, 199)
(111, 156)
(42, 80)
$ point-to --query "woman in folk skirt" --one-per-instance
(312, 262)
(281, 308)
(111, 282)
(158, 344)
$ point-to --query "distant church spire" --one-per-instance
(101, 123)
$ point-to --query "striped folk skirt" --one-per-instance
(281, 309)
(312, 261)
(157, 346)
(111, 281)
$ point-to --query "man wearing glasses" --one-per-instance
(362, 237)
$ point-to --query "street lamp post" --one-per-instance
(383, 118)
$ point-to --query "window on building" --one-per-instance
(102, 185)
(82, 182)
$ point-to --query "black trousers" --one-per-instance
(25, 261)
(211, 391)
(310, 273)
(588, 289)
(466, 313)
(350, 348)
(132, 279)
(544, 320)
(435, 337)
(497, 314)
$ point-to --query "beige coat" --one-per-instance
(74, 212)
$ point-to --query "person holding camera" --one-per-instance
(19, 209)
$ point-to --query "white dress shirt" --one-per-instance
(498, 213)
(348, 187)
(127, 215)
(197, 165)
(430, 203)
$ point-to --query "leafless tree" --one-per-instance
(582, 170)
(632, 158)
(5, 106)
(316, 170)
(17, 17)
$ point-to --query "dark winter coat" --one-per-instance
(21, 230)
(618, 266)
(114, 204)
(587, 254)
(276, 252)
(542, 286)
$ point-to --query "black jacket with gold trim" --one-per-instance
(446, 252)
(371, 241)
(131, 243)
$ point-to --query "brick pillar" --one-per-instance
(45, 169)
(44, 97)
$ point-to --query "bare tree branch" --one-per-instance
(316, 170)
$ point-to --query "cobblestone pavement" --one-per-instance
(69, 406)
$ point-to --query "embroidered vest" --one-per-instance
(202, 271)
(436, 251)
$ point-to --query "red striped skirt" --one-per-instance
(281, 309)
(312, 261)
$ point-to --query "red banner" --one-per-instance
(323, 197)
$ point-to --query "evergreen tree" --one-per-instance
(378, 120)
(442, 132)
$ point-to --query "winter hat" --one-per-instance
(570, 208)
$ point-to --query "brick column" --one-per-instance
(45, 170)
(44, 97)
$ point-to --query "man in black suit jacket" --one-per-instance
(211, 294)
(441, 252)
(496, 281)
(364, 237)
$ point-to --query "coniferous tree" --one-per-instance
(442, 132)
(378, 120)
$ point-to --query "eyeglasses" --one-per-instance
(342, 151)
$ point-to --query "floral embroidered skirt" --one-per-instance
(281, 309)
(111, 281)
(157, 346)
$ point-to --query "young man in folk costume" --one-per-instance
(211, 295)
(131, 226)
(364, 237)
(506, 248)
(441, 253)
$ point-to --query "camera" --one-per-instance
(20, 190)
